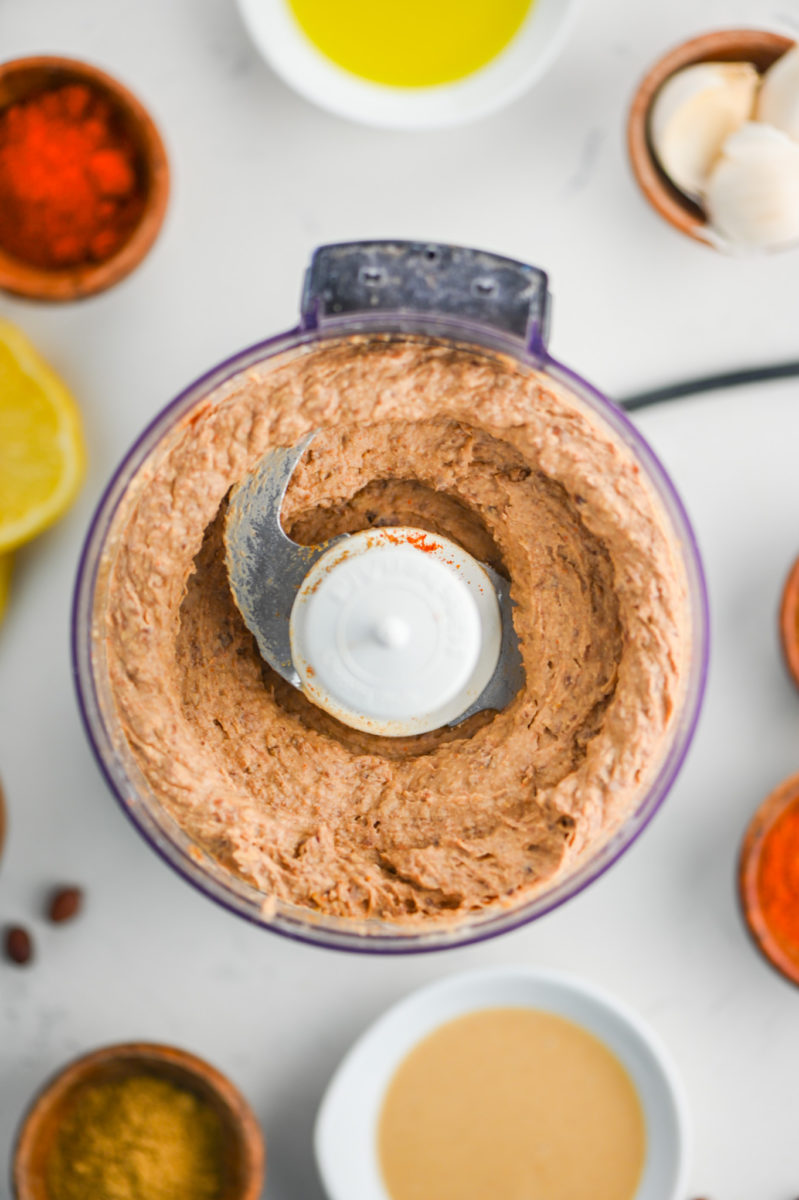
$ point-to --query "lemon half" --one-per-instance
(42, 459)
(5, 580)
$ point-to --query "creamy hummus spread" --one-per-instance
(506, 462)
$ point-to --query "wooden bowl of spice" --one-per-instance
(768, 878)
(84, 179)
(139, 1122)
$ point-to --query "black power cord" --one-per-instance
(710, 383)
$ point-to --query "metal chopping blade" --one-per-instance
(266, 570)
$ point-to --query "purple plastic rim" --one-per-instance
(163, 834)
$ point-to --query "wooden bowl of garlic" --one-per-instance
(713, 139)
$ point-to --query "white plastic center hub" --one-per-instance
(395, 631)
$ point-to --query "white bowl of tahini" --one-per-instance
(591, 1103)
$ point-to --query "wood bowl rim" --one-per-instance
(789, 622)
(79, 1072)
(724, 45)
(84, 280)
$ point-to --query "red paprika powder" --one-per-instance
(778, 880)
(69, 188)
(769, 877)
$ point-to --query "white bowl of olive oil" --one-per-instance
(504, 1082)
(409, 64)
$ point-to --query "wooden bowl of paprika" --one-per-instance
(84, 179)
(768, 878)
(138, 1121)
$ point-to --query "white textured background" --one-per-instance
(260, 177)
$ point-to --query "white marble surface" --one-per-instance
(260, 178)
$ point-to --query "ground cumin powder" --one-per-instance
(141, 1138)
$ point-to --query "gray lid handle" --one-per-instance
(420, 278)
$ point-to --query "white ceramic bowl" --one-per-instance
(346, 1126)
(294, 57)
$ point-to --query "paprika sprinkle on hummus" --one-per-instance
(69, 187)
(769, 878)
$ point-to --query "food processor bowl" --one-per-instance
(392, 290)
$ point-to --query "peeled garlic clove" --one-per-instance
(693, 113)
(752, 195)
(778, 102)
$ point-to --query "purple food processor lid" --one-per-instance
(481, 299)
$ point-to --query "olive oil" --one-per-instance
(410, 43)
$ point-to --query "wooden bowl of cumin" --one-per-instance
(243, 1154)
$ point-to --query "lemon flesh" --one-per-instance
(42, 458)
